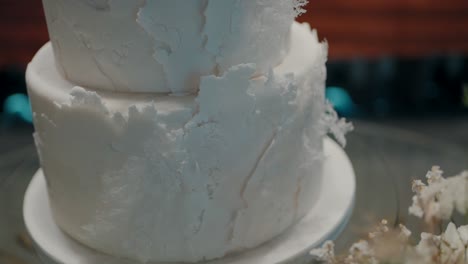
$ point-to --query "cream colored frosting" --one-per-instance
(183, 178)
(164, 46)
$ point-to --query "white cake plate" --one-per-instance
(325, 221)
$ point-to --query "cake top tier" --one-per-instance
(165, 46)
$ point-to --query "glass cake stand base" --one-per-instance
(325, 221)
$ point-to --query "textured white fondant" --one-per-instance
(324, 221)
(164, 46)
(187, 178)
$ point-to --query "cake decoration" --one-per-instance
(175, 131)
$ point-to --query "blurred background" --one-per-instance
(395, 58)
(397, 68)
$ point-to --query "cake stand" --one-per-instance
(324, 221)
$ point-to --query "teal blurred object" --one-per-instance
(18, 105)
(341, 100)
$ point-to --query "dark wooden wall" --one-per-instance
(22, 31)
(391, 27)
(364, 28)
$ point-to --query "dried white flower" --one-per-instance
(431, 212)
(381, 229)
(326, 253)
(428, 249)
(446, 202)
(463, 232)
(361, 252)
(437, 200)
(405, 233)
(416, 208)
(452, 247)
(417, 186)
(434, 175)
(459, 190)
(434, 201)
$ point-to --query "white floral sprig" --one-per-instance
(361, 252)
(435, 200)
(325, 253)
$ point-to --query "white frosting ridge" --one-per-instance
(164, 46)
(188, 178)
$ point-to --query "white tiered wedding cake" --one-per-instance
(178, 131)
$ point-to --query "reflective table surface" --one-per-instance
(386, 157)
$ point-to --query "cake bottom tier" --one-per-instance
(324, 221)
(183, 179)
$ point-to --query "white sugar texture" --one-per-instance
(150, 173)
(337, 127)
(299, 6)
